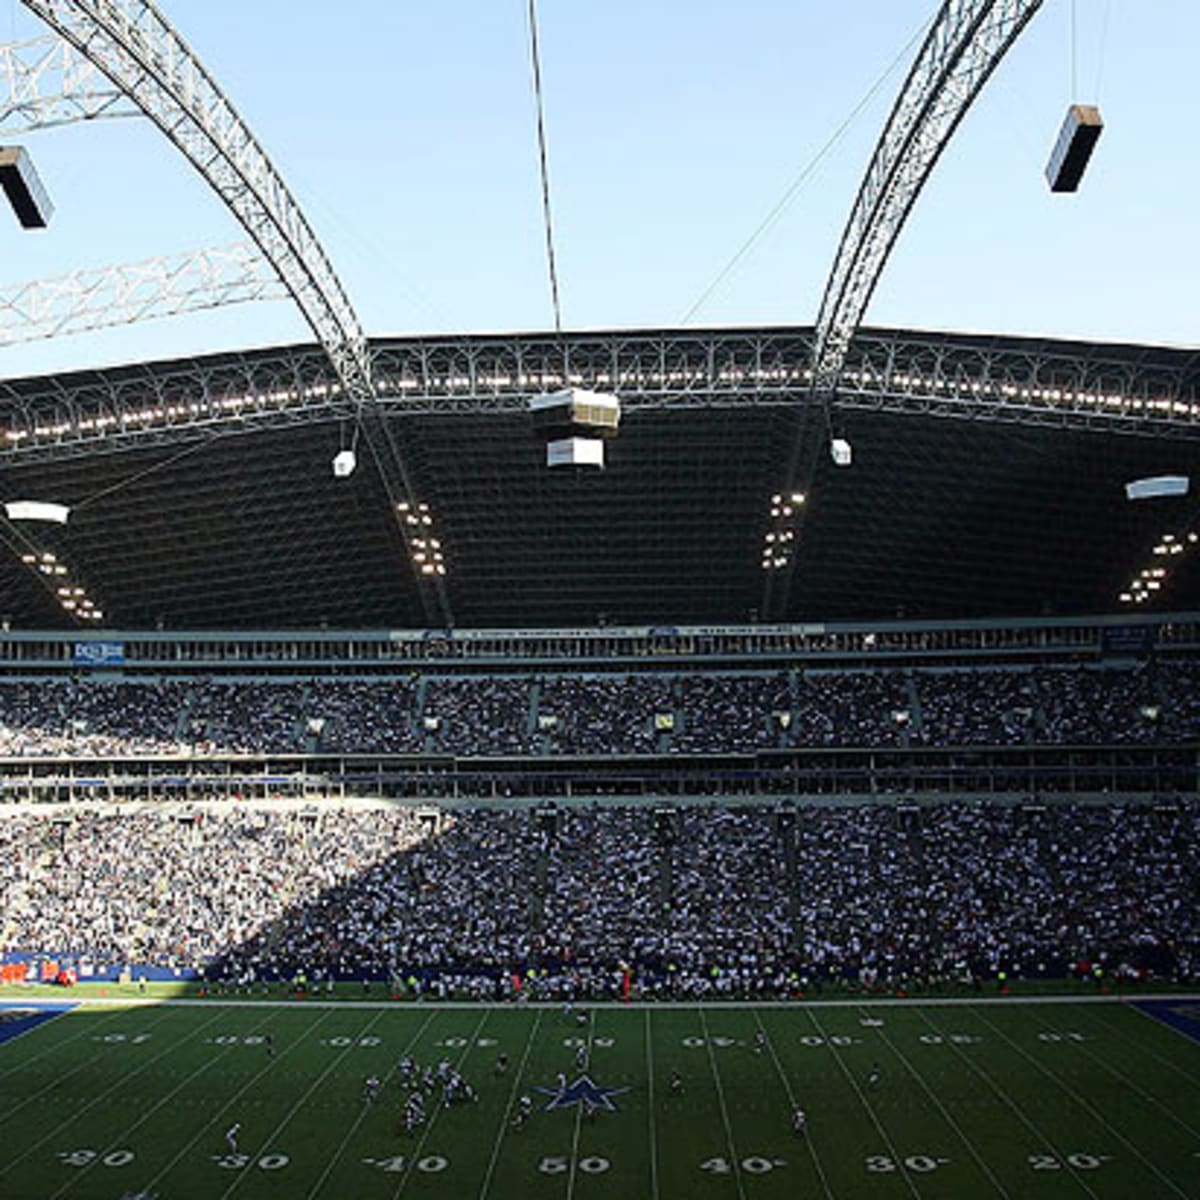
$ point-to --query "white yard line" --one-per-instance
(1159, 1023)
(1133, 1087)
(947, 1116)
(25, 1062)
(363, 1109)
(224, 1107)
(579, 1111)
(240, 1176)
(433, 1116)
(574, 1151)
(116, 1086)
(787, 1087)
(896, 1156)
(650, 1109)
(59, 1080)
(1083, 1103)
(123, 1140)
(735, 1162)
(512, 1095)
(1019, 1113)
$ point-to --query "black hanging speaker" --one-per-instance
(1071, 152)
(24, 188)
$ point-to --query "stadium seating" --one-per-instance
(604, 714)
(697, 900)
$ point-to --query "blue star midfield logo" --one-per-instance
(583, 1090)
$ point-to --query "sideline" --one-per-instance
(632, 1005)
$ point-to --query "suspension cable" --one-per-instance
(799, 181)
(1072, 67)
(535, 58)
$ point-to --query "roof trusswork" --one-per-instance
(988, 480)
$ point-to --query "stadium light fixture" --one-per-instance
(424, 547)
(1152, 578)
(69, 593)
(780, 534)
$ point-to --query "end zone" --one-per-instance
(1181, 1013)
(16, 1019)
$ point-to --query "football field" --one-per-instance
(964, 1100)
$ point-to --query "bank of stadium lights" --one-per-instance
(792, 376)
(426, 549)
(166, 414)
(1151, 579)
(72, 597)
(780, 539)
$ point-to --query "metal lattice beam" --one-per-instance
(965, 44)
(46, 82)
(1139, 391)
(135, 46)
(99, 298)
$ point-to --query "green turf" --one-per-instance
(1025, 1100)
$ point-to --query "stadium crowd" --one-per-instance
(689, 901)
(603, 714)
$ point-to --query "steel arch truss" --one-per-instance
(134, 45)
(101, 297)
(967, 41)
(46, 82)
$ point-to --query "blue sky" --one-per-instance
(407, 133)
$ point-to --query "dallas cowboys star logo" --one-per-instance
(583, 1090)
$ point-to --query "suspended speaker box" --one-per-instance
(573, 423)
(1076, 139)
(23, 188)
(575, 452)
